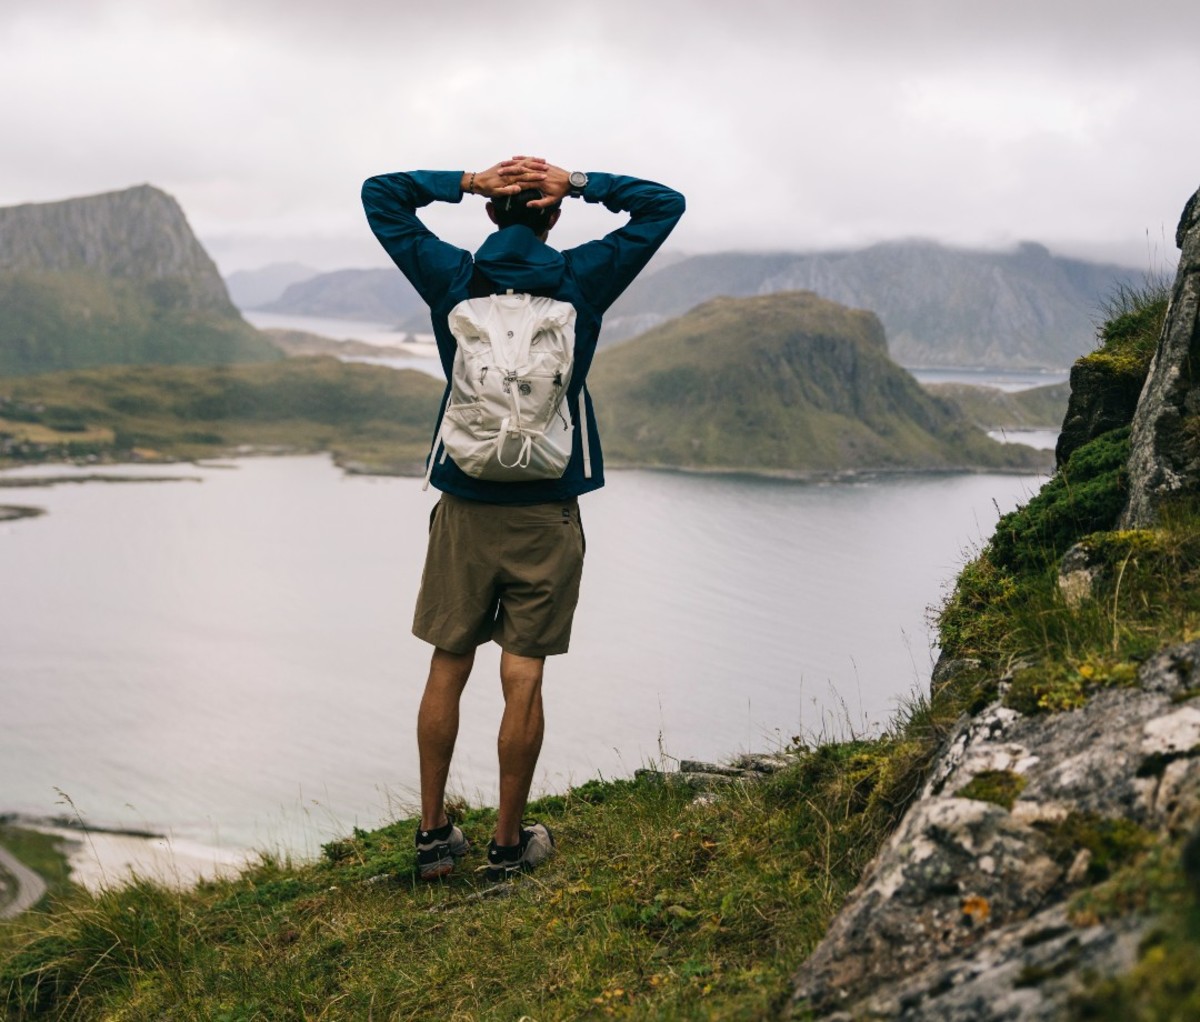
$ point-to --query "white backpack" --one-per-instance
(507, 419)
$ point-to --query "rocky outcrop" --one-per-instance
(1101, 400)
(139, 234)
(965, 915)
(115, 279)
(969, 913)
(702, 776)
(1165, 458)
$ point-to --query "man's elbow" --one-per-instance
(372, 188)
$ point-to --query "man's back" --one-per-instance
(589, 277)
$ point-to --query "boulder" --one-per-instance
(1165, 457)
(964, 913)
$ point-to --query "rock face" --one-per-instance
(1100, 400)
(116, 279)
(963, 915)
(139, 234)
(1165, 458)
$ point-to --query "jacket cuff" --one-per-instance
(598, 186)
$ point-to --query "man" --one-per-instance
(505, 557)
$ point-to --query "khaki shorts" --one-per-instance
(496, 571)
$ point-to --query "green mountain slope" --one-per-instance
(787, 382)
(113, 279)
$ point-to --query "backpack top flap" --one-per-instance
(510, 322)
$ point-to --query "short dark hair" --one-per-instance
(513, 209)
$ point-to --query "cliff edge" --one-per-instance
(1048, 868)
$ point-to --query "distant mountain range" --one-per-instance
(112, 279)
(940, 306)
(377, 296)
(249, 289)
(788, 383)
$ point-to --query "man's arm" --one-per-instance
(391, 202)
(604, 268)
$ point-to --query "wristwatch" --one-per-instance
(578, 180)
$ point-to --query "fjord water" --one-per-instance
(228, 658)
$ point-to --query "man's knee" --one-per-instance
(520, 673)
(448, 666)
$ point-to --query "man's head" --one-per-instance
(508, 210)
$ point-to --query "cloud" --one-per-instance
(797, 125)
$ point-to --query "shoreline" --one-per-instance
(101, 858)
(818, 476)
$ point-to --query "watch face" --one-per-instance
(578, 179)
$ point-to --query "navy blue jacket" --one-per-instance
(590, 277)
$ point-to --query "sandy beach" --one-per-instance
(101, 860)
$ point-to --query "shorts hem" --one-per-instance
(541, 653)
(455, 648)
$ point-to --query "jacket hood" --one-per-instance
(514, 257)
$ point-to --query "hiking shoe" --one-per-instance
(536, 846)
(437, 850)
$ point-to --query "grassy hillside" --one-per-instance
(991, 408)
(661, 906)
(375, 418)
(53, 320)
(787, 383)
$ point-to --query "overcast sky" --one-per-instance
(788, 125)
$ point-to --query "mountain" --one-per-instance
(251, 288)
(378, 296)
(788, 383)
(110, 279)
(940, 306)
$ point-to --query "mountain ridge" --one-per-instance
(941, 306)
(115, 278)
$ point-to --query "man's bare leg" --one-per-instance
(520, 739)
(437, 730)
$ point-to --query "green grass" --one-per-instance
(1133, 320)
(656, 907)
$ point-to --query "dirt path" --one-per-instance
(29, 886)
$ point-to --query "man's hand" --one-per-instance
(554, 184)
(508, 177)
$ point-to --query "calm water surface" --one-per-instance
(229, 658)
